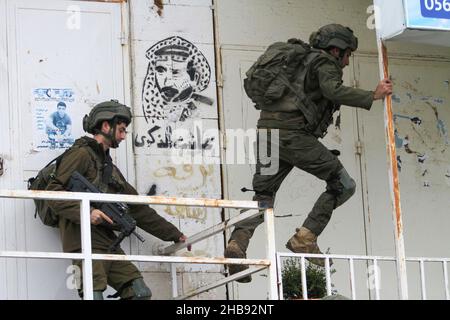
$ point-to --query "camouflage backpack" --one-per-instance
(271, 76)
(42, 180)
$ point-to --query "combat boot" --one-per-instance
(234, 251)
(305, 241)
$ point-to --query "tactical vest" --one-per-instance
(108, 178)
(313, 111)
(103, 181)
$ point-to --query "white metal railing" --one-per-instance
(351, 259)
(87, 256)
(272, 261)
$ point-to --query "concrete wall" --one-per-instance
(268, 21)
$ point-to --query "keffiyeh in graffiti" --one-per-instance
(177, 73)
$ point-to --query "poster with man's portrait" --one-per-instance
(52, 118)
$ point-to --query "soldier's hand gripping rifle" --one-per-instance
(117, 211)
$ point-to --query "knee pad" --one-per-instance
(342, 186)
(98, 295)
(140, 289)
(349, 185)
(266, 199)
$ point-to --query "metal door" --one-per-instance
(421, 116)
(57, 51)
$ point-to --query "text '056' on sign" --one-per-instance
(435, 8)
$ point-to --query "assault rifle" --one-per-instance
(117, 211)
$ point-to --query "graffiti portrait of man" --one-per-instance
(177, 73)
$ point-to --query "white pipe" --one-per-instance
(352, 278)
(393, 167)
(423, 280)
(280, 278)
(86, 250)
(304, 280)
(221, 282)
(271, 254)
(208, 232)
(173, 274)
(377, 279)
(108, 197)
(328, 276)
(447, 293)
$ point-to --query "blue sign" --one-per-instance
(435, 8)
(428, 14)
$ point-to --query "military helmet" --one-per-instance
(334, 35)
(106, 111)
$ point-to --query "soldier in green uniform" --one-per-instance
(299, 145)
(107, 122)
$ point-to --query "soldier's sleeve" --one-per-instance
(150, 221)
(331, 85)
(77, 159)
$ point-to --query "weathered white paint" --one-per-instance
(267, 21)
(44, 53)
(420, 91)
(192, 21)
(4, 147)
(200, 133)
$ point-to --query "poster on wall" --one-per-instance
(52, 112)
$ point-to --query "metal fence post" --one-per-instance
(86, 250)
(271, 254)
(393, 169)
(173, 275)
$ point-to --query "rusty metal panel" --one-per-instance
(393, 176)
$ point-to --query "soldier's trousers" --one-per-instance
(302, 150)
(117, 274)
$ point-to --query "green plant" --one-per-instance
(292, 280)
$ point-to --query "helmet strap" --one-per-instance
(114, 142)
(111, 135)
(341, 56)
